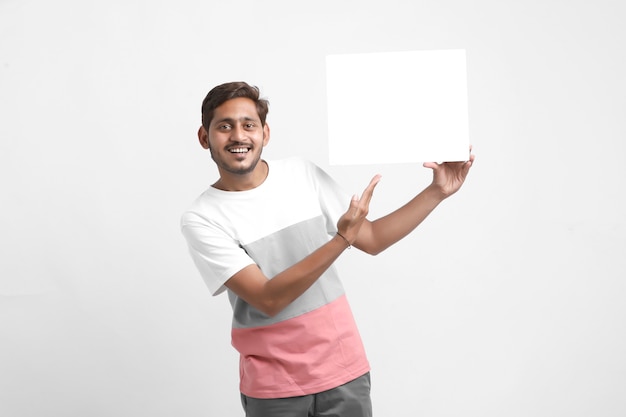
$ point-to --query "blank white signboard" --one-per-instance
(397, 107)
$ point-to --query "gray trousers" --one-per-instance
(349, 400)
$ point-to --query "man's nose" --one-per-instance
(238, 133)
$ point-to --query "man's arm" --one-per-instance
(272, 295)
(376, 236)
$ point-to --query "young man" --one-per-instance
(268, 233)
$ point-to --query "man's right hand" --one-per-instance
(350, 223)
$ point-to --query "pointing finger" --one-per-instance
(369, 190)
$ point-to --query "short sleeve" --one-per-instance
(217, 255)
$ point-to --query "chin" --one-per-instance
(241, 169)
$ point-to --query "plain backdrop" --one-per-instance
(508, 300)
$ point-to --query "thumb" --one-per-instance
(354, 203)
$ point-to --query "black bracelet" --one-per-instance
(344, 238)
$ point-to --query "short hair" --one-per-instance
(228, 91)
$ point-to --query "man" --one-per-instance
(268, 232)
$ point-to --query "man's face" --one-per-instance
(236, 137)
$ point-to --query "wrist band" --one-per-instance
(344, 238)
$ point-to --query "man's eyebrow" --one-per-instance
(231, 120)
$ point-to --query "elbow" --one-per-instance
(271, 312)
(371, 249)
(374, 252)
(371, 245)
(270, 307)
(273, 305)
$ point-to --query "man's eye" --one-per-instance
(224, 127)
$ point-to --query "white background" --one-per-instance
(508, 300)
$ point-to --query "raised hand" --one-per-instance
(350, 223)
(448, 177)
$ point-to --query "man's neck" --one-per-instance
(243, 182)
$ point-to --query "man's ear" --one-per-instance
(203, 137)
(266, 134)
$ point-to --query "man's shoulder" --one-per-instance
(204, 207)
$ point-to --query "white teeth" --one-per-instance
(238, 150)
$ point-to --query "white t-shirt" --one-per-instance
(313, 344)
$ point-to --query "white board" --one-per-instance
(397, 107)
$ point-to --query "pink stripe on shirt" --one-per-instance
(310, 353)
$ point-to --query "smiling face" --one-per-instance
(236, 138)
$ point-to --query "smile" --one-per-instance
(238, 150)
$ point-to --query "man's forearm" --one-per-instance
(387, 230)
(295, 280)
